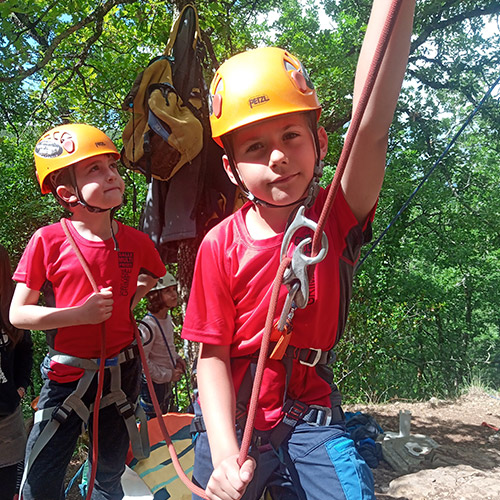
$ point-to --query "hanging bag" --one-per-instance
(165, 130)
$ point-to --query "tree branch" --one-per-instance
(97, 16)
(494, 8)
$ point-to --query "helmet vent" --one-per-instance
(300, 81)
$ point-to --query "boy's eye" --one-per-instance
(291, 135)
(254, 147)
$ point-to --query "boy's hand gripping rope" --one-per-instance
(318, 231)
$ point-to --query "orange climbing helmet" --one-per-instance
(258, 84)
(66, 145)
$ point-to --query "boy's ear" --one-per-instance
(227, 168)
(66, 194)
(323, 141)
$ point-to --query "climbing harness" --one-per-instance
(55, 416)
(428, 174)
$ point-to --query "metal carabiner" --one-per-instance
(300, 261)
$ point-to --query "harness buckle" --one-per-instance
(320, 416)
(315, 361)
(300, 261)
(60, 414)
(126, 409)
(197, 425)
(296, 410)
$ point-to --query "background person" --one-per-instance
(157, 331)
(16, 361)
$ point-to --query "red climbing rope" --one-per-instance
(356, 119)
(100, 373)
(173, 454)
(175, 460)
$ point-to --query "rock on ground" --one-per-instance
(466, 466)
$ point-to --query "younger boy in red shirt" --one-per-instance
(77, 163)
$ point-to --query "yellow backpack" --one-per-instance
(165, 130)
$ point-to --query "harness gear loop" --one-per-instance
(288, 309)
(282, 330)
(300, 261)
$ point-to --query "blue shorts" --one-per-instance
(313, 463)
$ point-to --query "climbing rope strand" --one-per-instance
(360, 109)
(100, 373)
(263, 353)
(173, 454)
(356, 119)
(428, 174)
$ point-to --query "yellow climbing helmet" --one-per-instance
(258, 84)
(66, 145)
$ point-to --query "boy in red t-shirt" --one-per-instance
(77, 163)
(265, 114)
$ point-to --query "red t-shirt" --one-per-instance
(231, 291)
(50, 258)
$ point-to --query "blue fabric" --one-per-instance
(314, 463)
(355, 476)
(46, 476)
(363, 429)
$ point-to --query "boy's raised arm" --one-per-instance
(364, 174)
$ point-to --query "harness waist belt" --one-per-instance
(92, 364)
(308, 356)
(314, 415)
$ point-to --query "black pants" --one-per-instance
(163, 394)
(113, 441)
(8, 481)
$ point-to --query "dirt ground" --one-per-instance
(465, 466)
